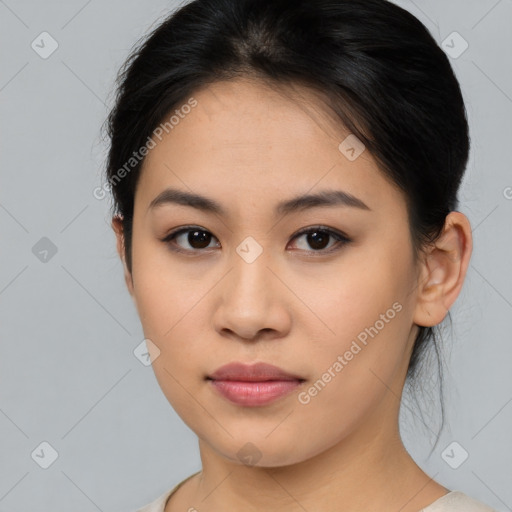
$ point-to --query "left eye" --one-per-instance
(318, 238)
(197, 238)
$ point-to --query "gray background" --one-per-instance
(68, 374)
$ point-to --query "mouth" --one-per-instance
(253, 385)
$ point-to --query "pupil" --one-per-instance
(317, 239)
(202, 241)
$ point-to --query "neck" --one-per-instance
(367, 469)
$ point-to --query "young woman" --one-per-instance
(285, 178)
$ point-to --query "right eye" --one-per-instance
(196, 237)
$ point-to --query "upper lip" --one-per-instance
(257, 372)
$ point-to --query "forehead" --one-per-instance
(244, 141)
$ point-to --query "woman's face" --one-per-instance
(243, 285)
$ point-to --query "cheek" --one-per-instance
(367, 313)
(172, 315)
(162, 292)
(362, 290)
(170, 302)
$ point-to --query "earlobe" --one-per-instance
(443, 270)
(117, 226)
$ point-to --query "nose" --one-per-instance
(252, 302)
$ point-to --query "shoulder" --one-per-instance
(158, 505)
(457, 501)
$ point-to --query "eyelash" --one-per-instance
(339, 237)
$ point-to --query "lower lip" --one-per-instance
(254, 393)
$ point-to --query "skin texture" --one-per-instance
(249, 147)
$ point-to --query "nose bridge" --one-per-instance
(249, 301)
(250, 278)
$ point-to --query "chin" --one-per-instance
(260, 452)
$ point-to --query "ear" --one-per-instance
(117, 226)
(443, 270)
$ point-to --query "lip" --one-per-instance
(257, 372)
(253, 385)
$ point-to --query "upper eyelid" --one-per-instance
(302, 231)
(320, 227)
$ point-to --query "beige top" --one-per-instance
(454, 501)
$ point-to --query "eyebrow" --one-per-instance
(324, 198)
